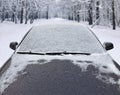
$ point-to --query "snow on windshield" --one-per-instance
(58, 38)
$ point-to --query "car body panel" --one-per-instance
(61, 75)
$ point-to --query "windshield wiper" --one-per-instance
(31, 53)
(66, 53)
(54, 53)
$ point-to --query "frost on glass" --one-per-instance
(58, 38)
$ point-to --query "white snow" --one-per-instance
(97, 60)
(10, 32)
(60, 38)
(14, 32)
(106, 34)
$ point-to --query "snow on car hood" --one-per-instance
(19, 63)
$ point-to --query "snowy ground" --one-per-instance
(14, 32)
(106, 34)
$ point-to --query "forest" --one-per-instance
(94, 12)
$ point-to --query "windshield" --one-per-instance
(60, 38)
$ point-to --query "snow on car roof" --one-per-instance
(61, 37)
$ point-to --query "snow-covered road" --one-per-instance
(14, 32)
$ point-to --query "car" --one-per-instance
(60, 59)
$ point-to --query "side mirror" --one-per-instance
(108, 45)
(13, 45)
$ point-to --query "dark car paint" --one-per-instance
(117, 65)
(61, 77)
(5, 66)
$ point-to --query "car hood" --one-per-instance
(53, 75)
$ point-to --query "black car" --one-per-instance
(60, 59)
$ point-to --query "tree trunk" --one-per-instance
(3, 15)
(90, 19)
(13, 17)
(113, 15)
(78, 18)
(31, 18)
(97, 11)
(47, 12)
(21, 16)
(26, 17)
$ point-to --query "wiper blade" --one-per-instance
(31, 53)
(60, 53)
(53, 53)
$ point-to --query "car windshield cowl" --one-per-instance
(52, 53)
